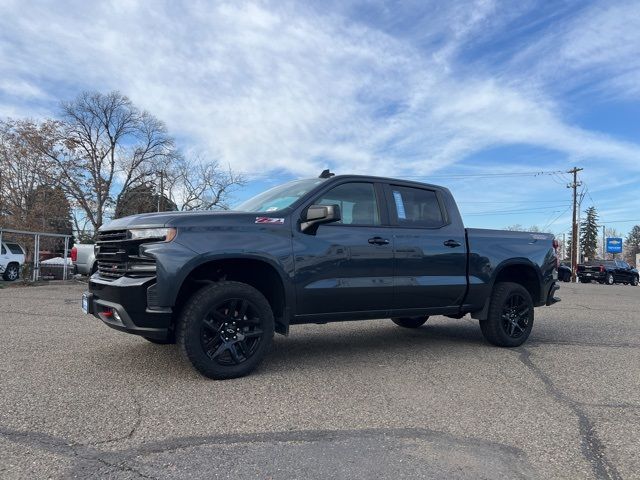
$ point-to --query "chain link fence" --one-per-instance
(33, 256)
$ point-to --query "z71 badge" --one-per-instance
(272, 220)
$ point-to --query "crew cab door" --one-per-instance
(623, 271)
(430, 251)
(346, 266)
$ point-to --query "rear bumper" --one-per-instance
(592, 275)
(122, 304)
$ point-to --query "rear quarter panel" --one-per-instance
(492, 250)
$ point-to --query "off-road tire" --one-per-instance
(194, 321)
(494, 329)
(410, 322)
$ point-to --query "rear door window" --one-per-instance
(416, 207)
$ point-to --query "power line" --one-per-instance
(501, 202)
(555, 219)
(621, 221)
(461, 175)
(525, 210)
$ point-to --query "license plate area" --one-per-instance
(86, 303)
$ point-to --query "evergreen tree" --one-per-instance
(632, 245)
(589, 234)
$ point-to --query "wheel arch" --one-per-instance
(522, 271)
(262, 273)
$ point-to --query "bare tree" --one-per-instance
(100, 141)
(198, 184)
(22, 171)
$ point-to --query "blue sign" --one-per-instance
(614, 245)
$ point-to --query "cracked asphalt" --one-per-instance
(344, 400)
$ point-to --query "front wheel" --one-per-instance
(510, 317)
(11, 273)
(410, 322)
(226, 329)
(634, 282)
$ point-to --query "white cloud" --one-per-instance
(266, 86)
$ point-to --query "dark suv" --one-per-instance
(609, 272)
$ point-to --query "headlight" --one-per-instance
(158, 234)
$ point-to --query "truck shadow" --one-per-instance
(310, 345)
(376, 339)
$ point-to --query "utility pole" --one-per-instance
(161, 193)
(574, 227)
(604, 248)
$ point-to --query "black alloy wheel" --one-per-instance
(231, 332)
(510, 317)
(515, 315)
(226, 329)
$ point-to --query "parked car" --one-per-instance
(608, 271)
(314, 251)
(84, 258)
(12, 258)
(564, 272)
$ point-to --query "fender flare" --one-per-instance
(520, 261)
(270, 260)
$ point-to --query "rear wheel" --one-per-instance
(226, 329)
(12, 272)
(410, 322)
(610, 280)
(634, 282)
(510, 317)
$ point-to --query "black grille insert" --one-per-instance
(117, 255)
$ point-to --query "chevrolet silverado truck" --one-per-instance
(607, 271)
(84, 259)
(315, 250)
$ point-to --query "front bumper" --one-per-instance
(122, 304)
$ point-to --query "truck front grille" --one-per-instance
(119, 256)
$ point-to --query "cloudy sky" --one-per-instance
(474, 95)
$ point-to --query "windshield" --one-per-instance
(279, 197)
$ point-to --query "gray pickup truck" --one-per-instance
(84, 258)
(316, 250)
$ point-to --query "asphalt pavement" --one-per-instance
(355, 400)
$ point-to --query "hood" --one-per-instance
(176, 219)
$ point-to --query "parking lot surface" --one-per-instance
(354, 400)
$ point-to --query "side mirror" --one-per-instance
(316, 215)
